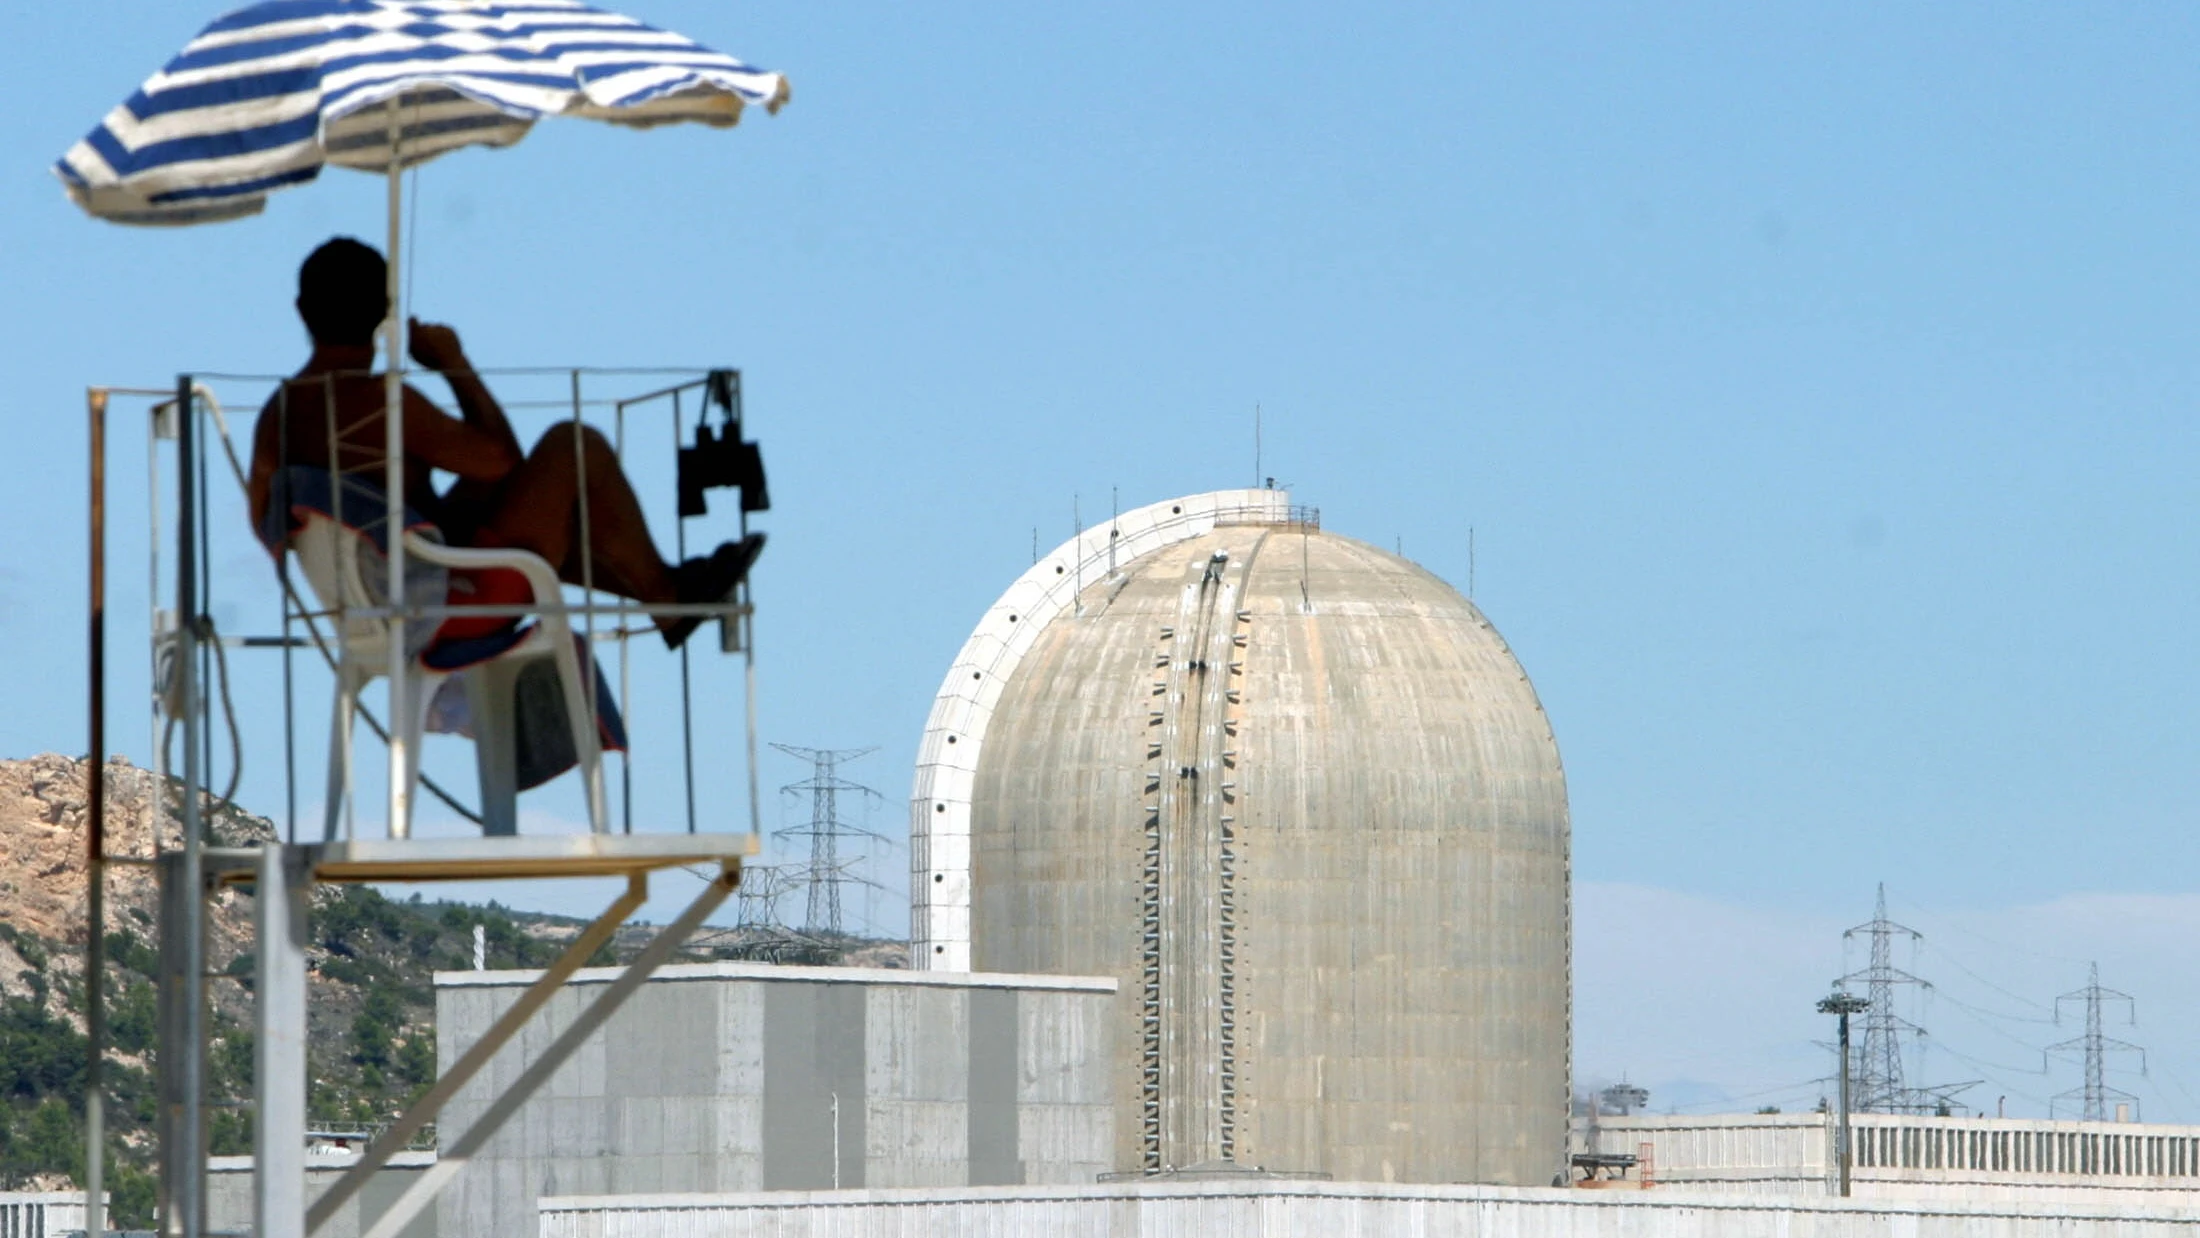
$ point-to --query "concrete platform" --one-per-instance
(523, 855)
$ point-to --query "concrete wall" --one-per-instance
(1921, 1157)
(229, 1194)
(746, 1077)
(1323, 1210)
(40, 1214)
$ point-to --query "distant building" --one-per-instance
(229, 1192)
(41, 1214)
(747, 1076)
(1903, 1157)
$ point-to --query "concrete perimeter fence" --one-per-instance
(1273, 1209)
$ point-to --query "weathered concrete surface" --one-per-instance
(1324, 1210)
(748, 1077)
(229, 1194)
(1300, 799)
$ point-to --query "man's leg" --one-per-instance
(537, 507)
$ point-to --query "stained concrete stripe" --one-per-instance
(995, 1055)
(813, 1054)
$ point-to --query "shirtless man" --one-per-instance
(504, 497)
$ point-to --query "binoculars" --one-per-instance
(721, 458)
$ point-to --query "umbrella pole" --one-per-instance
(95, 845)
(393, 390)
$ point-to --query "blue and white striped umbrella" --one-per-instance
(266, 96)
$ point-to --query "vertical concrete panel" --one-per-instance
(915, 1080)
(1065, 1037)
(995, 1072)
(375, 1198)
(1066, 1115)
(813, 1086)
(738, 1116)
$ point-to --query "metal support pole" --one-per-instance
(1842, 1005)
(687, 697)
(451, 1160)
(1843, 1148)
(95, 842)
(179, 1057)
(393, 446)
(279, 1044)
(599, 817)
(184, 1186)
(756, 812)
(469, 1064)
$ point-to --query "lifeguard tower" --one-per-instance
(556, 651)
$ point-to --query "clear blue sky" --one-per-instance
(1818, 382)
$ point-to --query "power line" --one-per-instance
(2180, 1086)
(1781, 1092)
(1952, 961)
(1952, 921)
(1982, 1018)
(1988, 1069)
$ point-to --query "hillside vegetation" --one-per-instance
(371, 997)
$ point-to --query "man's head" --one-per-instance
(343, 292)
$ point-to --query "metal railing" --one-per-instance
(675, 398)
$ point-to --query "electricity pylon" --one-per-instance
(829, 868)
(1877, 1081)
(2094, 1095)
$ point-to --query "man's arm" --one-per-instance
(260, 483)
(442, 441)
(436, 346)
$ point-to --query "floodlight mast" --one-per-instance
(1842, 1005)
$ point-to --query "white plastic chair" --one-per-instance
(328, 557)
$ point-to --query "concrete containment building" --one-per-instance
(1297, 796)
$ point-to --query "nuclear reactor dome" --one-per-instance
(1296, 795)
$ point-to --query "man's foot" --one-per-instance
(711, 579)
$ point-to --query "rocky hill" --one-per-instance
(372, 1002)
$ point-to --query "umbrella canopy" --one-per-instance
(266, 96)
